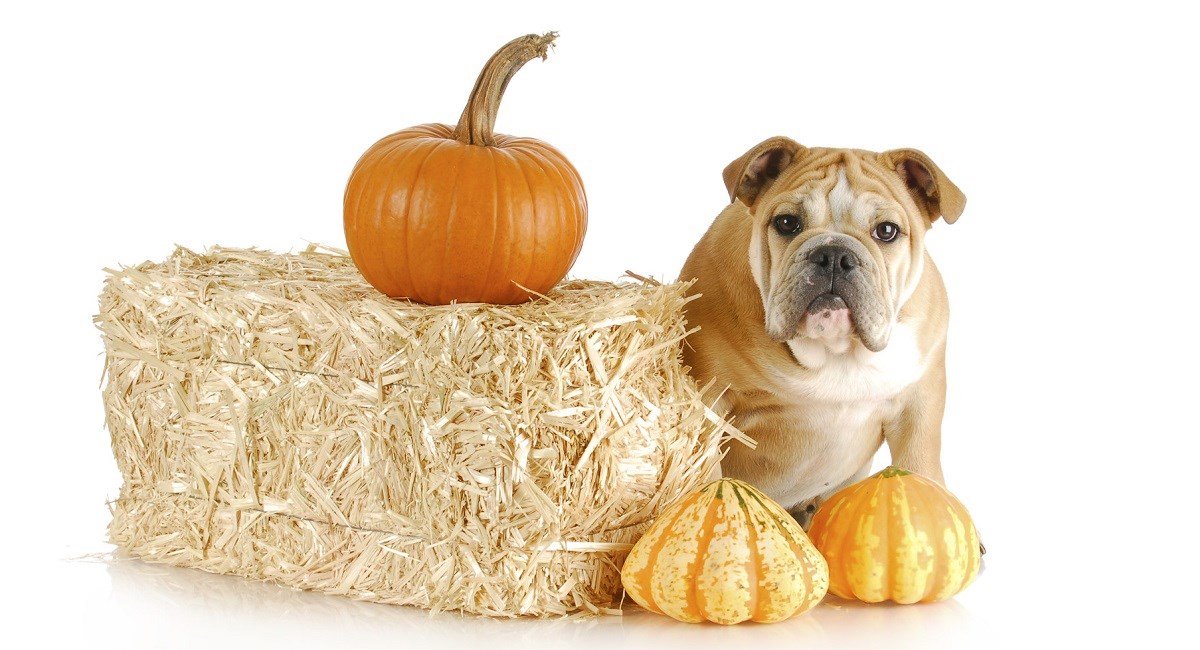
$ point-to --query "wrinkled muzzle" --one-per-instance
(830, 287)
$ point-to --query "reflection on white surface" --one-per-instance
(197, 609)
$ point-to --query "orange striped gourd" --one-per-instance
(725, 553)
(896, 536)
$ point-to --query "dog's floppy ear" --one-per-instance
(746, 177)
(933, 192)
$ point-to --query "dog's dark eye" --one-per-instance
(787, 224)
(886, 232)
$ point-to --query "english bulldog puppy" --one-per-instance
(822, 317)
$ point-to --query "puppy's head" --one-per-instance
(837, 240)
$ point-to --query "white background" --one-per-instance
(1070, 429)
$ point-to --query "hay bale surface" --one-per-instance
(275, 417)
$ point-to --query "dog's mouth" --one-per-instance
(833, 316)
(828, 317)
(830, 294)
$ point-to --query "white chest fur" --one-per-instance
(830, 423)
(852, 373)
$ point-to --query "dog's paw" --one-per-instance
(803, 512)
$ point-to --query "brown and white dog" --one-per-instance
(822, 317)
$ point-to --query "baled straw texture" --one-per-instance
(275, 417)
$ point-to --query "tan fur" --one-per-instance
(819, 425)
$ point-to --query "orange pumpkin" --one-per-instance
(439, 214)
(725, 553)
(896, 536)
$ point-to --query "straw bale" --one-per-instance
(275, 417)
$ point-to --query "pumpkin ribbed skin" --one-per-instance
(441, 214)
(726, 553)
(896, 536)
(434, 220)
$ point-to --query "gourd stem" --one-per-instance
(892, 471)
(479, 117)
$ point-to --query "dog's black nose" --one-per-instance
(833, 258)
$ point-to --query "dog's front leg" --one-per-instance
(914, 436)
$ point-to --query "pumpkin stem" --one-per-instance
(479, 117)
(892, 471)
